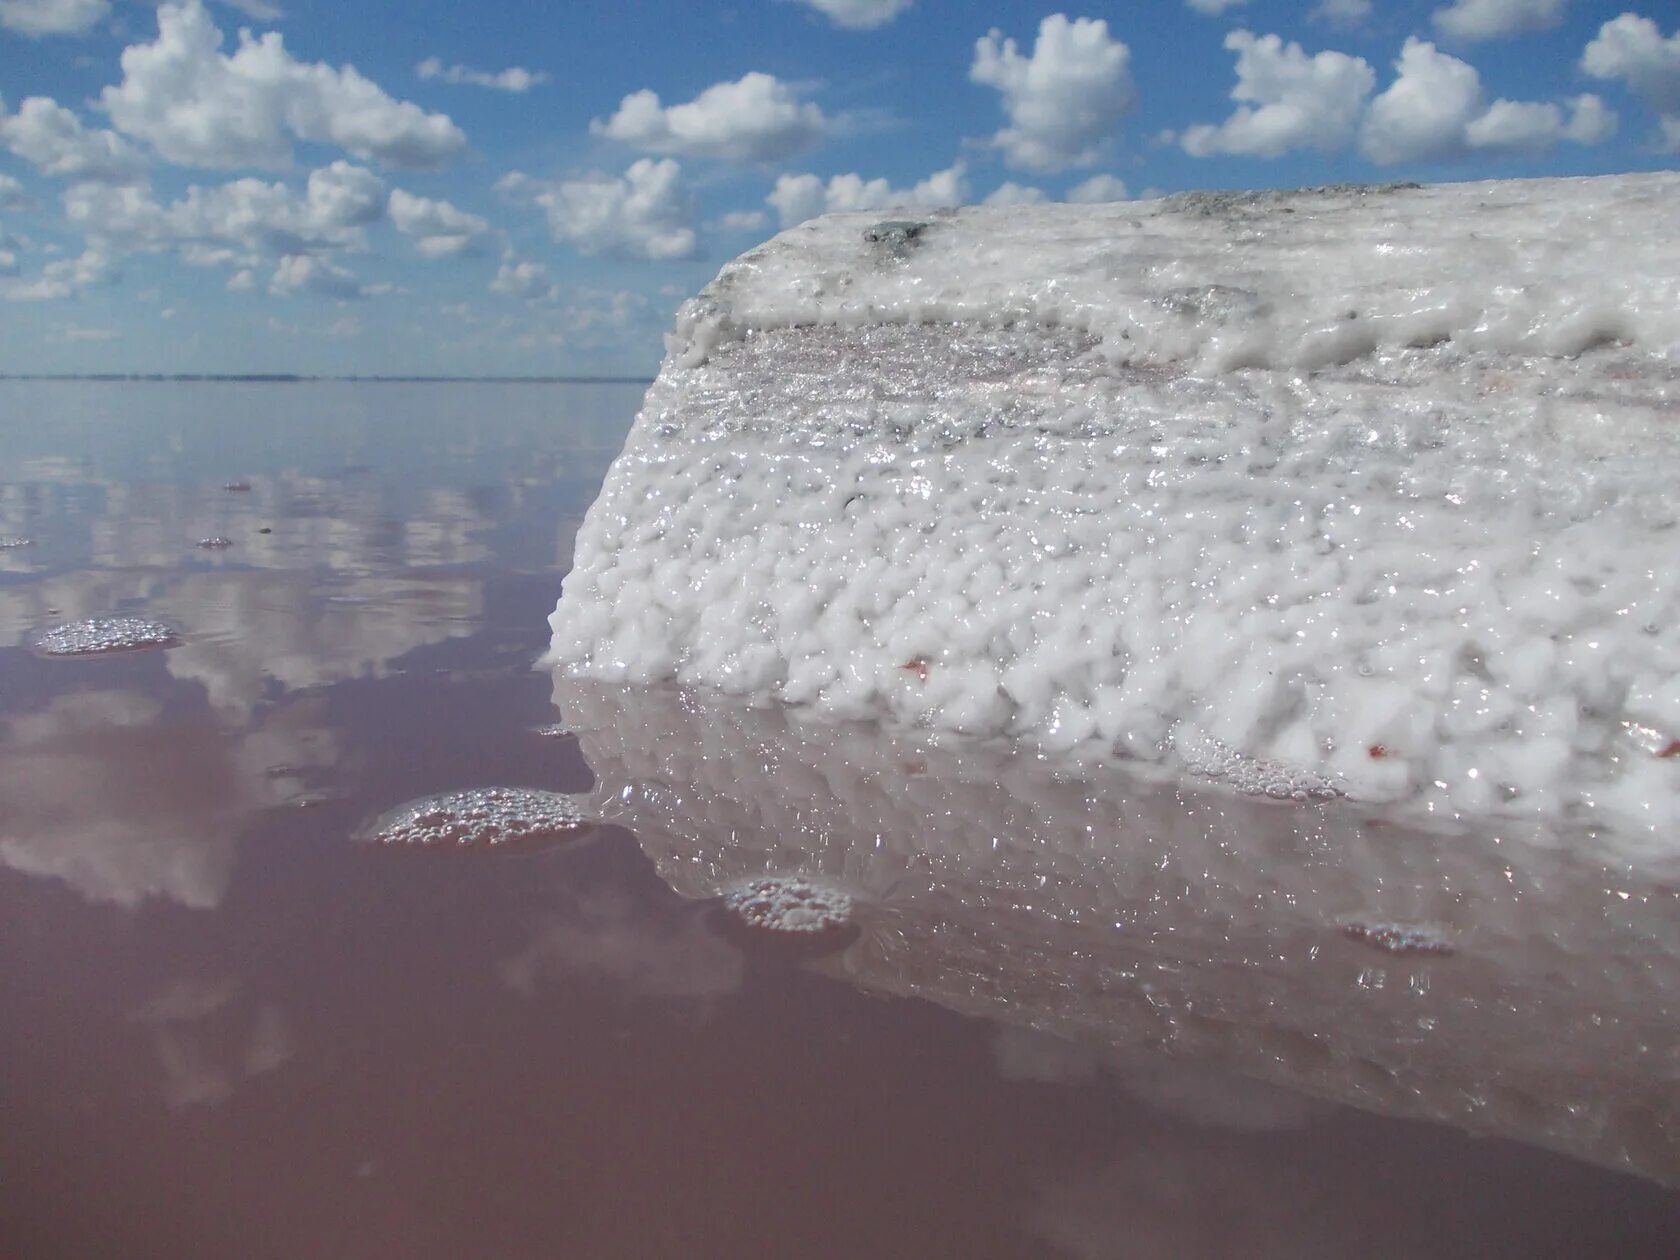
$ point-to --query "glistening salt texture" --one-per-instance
(1361, 492)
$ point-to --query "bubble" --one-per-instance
(237, 487)
(214, 544)
(9, 542)
(790, 911)
(499, 818)
(1398, 938)
(553, 730)
(105, 634)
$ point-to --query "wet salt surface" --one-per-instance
(1071, 1022)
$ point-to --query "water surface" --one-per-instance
(1080, 1019)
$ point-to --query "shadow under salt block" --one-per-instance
(1507, 985)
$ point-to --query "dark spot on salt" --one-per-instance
(1671, 750)
(917, 666)
(1377, 752)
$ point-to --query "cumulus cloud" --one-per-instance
(513, 79)
(522, 279)
(305, 272)
(1098, 189)
(859, 15)
(1632, 49)
(64, 277)
(1435, 110)
(53, 140)
(743, 221)
(438, 228)
(647, 212)
(340, 201)
(51, 17)
(198, 107)
(1470, 20)
(758, 118)
(799, 197)
(1065, 100)
(1010, 193)
(11, 192)
(1288, 100)
(1214, 6)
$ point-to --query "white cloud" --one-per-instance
(298, 272)
(860, 15)
(341, 200)
(744, 221)
(522, 279)
(1098, 189)
(513, 79)
(1434, 110)
(242, 281)
(53, 140)
(758, 118)
(261, 10)
(800, 197)
(11, 191)
(51, 17)
(198, 107)
(438, 228)
(1632, 49)
(1214, 6)
(647, 212)
(1289, 100)
(1342, 12)
(1065, 100)
(1010, 193)
(1469, 20)
(64, 278)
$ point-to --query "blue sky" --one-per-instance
(515, 187)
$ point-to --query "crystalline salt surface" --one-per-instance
(105, 634)
(8, 542)
(1357, 491)
(214, 544)
(479, 818)
(789, 904)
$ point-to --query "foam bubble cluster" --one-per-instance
(790, 905)
(480, 818)
(105, 634)
(9, 542)
(1256, 776)
(214, 544)
(1399, 938)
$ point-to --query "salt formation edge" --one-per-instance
(1361, 492)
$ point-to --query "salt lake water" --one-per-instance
(1063, 1017)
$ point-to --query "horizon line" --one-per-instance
(302, 378)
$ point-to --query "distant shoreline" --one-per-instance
(286, 378)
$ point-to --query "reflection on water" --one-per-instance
(1066, 1018)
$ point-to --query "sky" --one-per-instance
(525, 187)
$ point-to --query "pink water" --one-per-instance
(229, 1029)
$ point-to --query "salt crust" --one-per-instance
(789, 904)
(478, 817)
(1348, 492)
(105, 634)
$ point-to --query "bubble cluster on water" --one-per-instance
(1399, 938)
(105, 634)
(552, 730)
(214, 544)
(9, 542)
(790, 905)
(1214, 759)
(488, 817)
